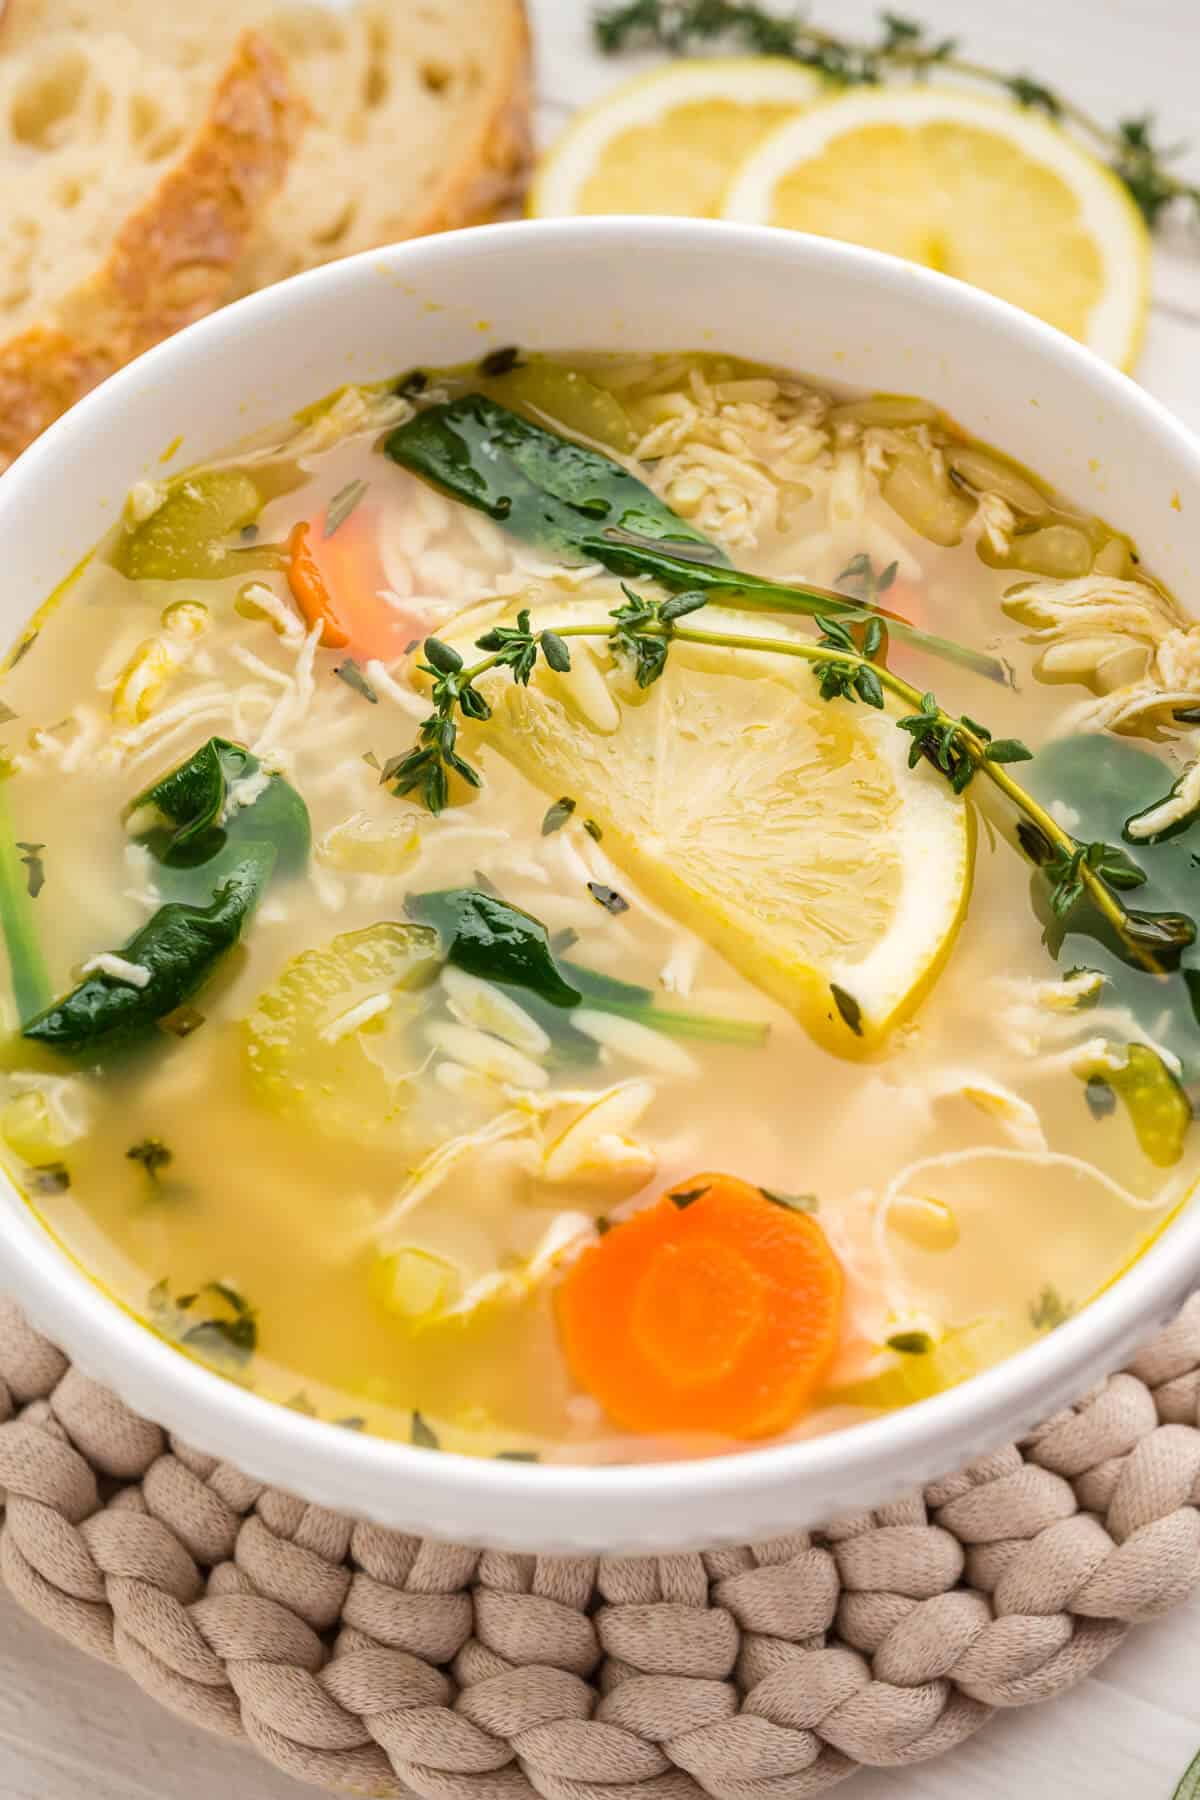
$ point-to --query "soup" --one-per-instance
(602, 908)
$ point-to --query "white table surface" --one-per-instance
(73, 1730)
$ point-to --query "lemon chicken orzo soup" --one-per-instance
(602, 908)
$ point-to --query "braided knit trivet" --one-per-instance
(374, 1663)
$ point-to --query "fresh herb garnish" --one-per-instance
(1064, 871)
(557, 814)
(182, 1022)
(342, 505)
(227, 1331)
(848, 1007)
(35, 868)
(422, 1433)
(500, 362)
(687, 1196)
(608, 897)
(371, 760)
(27, 964)
(352, 675)
(1049, 1310)
(50, 1178)
(860, 577)
(958, 748)
(153, 1155)
(905, 49)
(801, 1203)
(910, 1343)
(428, 767)
(1101, 1101)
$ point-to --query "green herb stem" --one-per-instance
(749, 1034)
(30, 977)
(973, 742)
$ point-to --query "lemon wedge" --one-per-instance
(667, 142)
(977, 188)
(787, 830)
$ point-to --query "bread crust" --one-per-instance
(489, 179)
(173, 259)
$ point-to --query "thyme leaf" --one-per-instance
(557, 814)
(803, 1203)
(352, 675)
(50, 1178)
(35, 868)
(910, 1343)
(342, 505)
(1049, 1310)
(153, 1155)
(422, 1433)
(608, 897)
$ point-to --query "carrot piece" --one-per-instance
(715, 1310)
(337, 582)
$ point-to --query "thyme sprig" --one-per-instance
(903, 48)
(640, 634)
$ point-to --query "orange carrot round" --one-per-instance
(337, 582)
(715, 1310)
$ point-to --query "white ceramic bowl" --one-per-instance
(823, 308)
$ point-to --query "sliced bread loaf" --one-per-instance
(156, 160)
(169, 261)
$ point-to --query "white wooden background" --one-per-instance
(72, 1730)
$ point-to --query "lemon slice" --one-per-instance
(667, 142)
(977, 188)
(787, 830)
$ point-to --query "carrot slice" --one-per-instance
(338, 580)
(715, 1310)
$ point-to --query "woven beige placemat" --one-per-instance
(370, 1662)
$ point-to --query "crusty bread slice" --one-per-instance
(141, 187)
(421, 124)
(170, 261)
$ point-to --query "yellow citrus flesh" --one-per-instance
(668, 142)
(984, 191)
(786, 830)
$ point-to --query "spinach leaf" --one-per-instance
(575, 503)
(487, 937)
(216, 859)
(1104, 782)
(543, 488)
(179, 947)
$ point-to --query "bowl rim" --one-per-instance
(274, 1442)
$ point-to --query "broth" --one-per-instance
(342, 1170)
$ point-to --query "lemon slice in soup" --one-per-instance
(786, 830)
